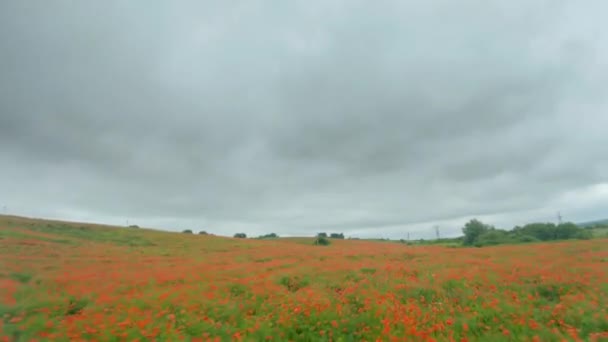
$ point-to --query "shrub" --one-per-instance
(567, 231)
(134, 226)
(293, 284)
(321, 241)
(548, 292)
(187, 231)
(202, 232)
(493, 237)
(76, 305)
(23, 278)
(336, 236)
(584, 235)
(268, 236)
(526, 238)
(240, 235)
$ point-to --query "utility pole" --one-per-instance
(408, 236)
(437, 232)
(4, 210)
(559, 218)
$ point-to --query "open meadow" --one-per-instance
(78, 282)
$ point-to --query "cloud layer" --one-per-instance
(373, 119)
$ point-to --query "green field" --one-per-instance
(74, 282)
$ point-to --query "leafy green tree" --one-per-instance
(493, 237)
(472, 230)
(322, 235)
(336, 236)
(566, 231)
(539, 230)
(240, 235)
(549, 231)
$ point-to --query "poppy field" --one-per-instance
(76, 282)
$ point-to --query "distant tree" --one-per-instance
(492, 237)
(585, 234)
(540, 230)
(268, 236)
(202, 232)
(525, 238)
(532, 232)
(187, 231)
(549, 231)
(336, 236)
(134, 226)
(240, 235)
(472, 230)
(321, 241)
(567, 230)
(322, 235)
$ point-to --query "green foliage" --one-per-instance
(322, 235)
(548, 292)
(472, 230)
(21, 277)
(336, 236)
(187, 231)
(493, 237)
(550, 231)
(541, 231)
(322, 241)
(584, 234)
(202, 232)
(567, 231)
(76, 305)
(293, 284)
(479, 234)
(524, 238)
(240, 235)
(268, 236)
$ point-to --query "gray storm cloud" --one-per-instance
(368, 118)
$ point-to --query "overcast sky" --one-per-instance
(372, 118)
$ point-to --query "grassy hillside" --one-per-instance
(66, 281)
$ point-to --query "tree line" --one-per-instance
(477, 233)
